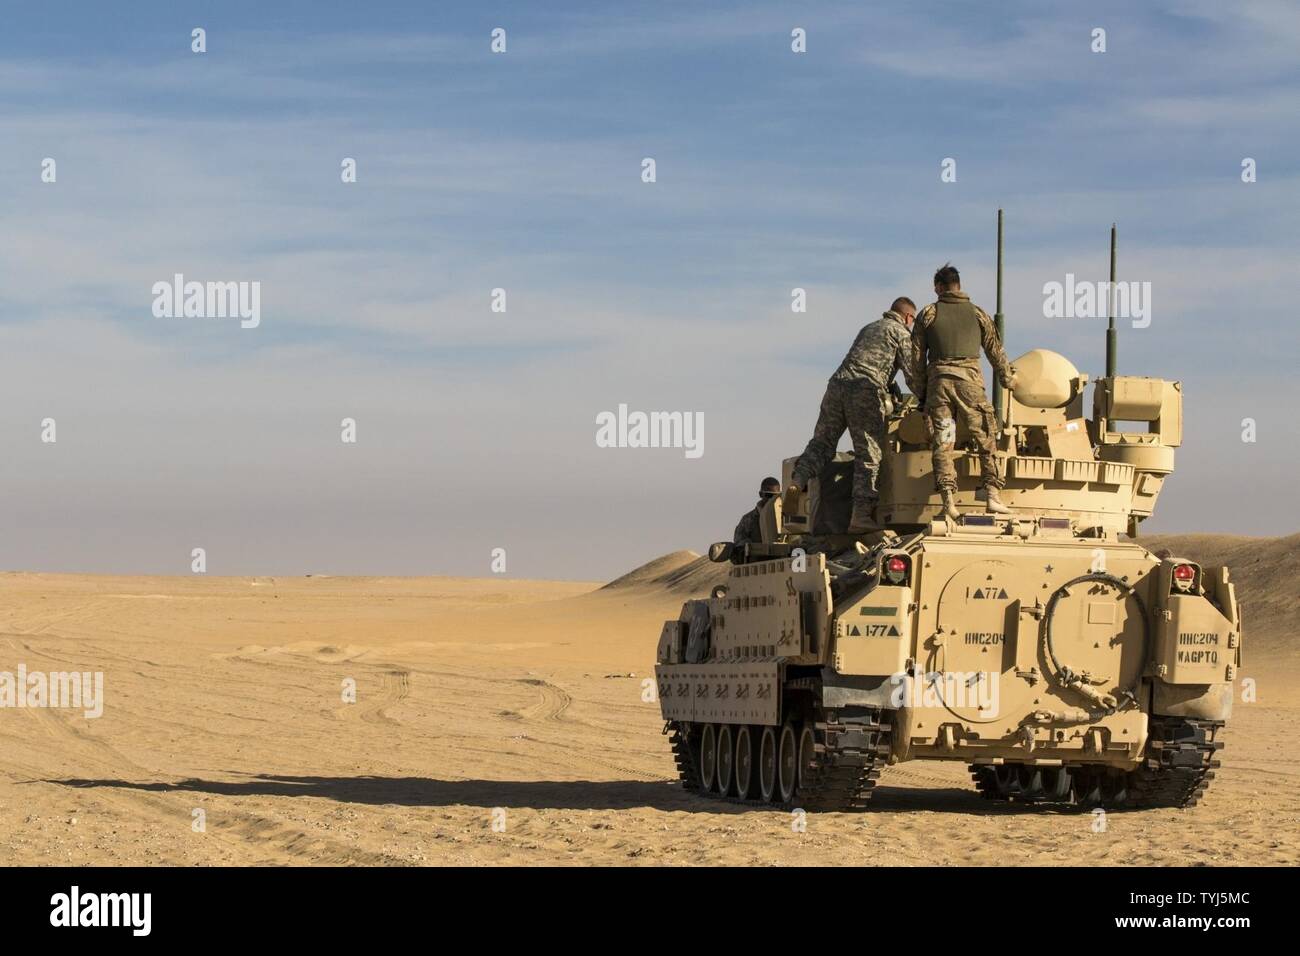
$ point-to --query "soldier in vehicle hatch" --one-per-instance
(748, 530)
(856, 398)
(947, 339)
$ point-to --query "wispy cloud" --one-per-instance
(523, 172)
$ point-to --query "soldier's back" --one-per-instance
(872, 355)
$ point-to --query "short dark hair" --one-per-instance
(769, 483)
(901, 300)
(947, 276)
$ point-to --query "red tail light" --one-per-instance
(1185, 577)
(897, 567)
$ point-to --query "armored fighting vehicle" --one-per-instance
(1046, 649)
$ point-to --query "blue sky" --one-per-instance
(522, 171)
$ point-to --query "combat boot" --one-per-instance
(950, 505)
(994, 504)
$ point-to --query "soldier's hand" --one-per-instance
(1012, 381)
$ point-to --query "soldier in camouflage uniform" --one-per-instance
(857, 399)
(748, 530)
(947, 339)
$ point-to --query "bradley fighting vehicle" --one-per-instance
(1055, 656)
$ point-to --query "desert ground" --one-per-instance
(503, 722)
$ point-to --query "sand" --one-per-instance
(495, 722)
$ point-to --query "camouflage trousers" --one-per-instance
(860, 408)
(947, 402)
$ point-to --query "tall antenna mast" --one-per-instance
(998, 324)
(1111, 340)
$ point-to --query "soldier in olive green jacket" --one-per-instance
(947, 339)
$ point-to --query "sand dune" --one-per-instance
(495, 721)
(680, 571)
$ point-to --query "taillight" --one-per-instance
(896, 568)
(1184, 576)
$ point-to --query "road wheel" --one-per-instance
(1057, 782)
(708, 758)
(807, 756)
(767, 775)
(726, 759)
(1031, 782)
(788, 763)
(1087, 786)
(1008, 780)
(1114, 789)
(745, 759)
